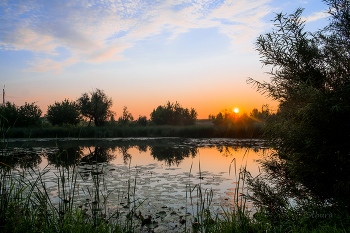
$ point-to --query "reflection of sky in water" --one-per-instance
(162, 187)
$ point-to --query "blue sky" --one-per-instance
(141, 53)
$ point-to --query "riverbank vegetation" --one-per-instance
(308, 171)
(65, 119)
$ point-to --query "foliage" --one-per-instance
(126, 117)
(310, 133)
(95, 106)
(65, 112)
(23, 116)
(29, 115)
(9, 114)
(173, 114)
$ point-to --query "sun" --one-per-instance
(236, 110)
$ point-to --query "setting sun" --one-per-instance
(236, 110)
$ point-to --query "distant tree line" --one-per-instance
(91, 107)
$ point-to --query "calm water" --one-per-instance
(161, 174)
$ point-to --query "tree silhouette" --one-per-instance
(126, 117)
(310, 77)
(95, 106)
(23, 116)
(65, 112)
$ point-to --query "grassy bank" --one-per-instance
(193, 131)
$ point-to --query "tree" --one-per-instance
(65, 112)
(126, 117)
(23, 116)
(29, 115)
(9, 114)
(310, 77)
(95, 106)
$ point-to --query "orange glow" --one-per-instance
(236, 110)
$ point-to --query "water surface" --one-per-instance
(162, 175)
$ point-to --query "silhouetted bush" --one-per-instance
(65, 112)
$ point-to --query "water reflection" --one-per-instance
(172, 155)
(21, 158)
(63, 157)
(67, 153)
(124, 151)
(137, 166)
(97, 154)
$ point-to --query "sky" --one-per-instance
(141, 53)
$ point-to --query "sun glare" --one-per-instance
(236, 110)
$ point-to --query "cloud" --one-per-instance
(99, 31)
(315, 16)
(26, 39)
(45, 65)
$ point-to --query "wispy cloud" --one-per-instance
(46, 64)
(316, 16)
(98, 31)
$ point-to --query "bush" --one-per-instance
(63, 113)
(23, 116)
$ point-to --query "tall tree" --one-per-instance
(96, 106)
(310, 77)
(66, 112)
(126, 117)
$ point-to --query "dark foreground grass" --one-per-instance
(194, 131)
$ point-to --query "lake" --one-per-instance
(165, 180)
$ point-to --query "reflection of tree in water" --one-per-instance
(22, 158)
(227, 150)
(64, 157)
(141, 148)
(124, 151)
(98, 155)
(68, 157)
(171, 155)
